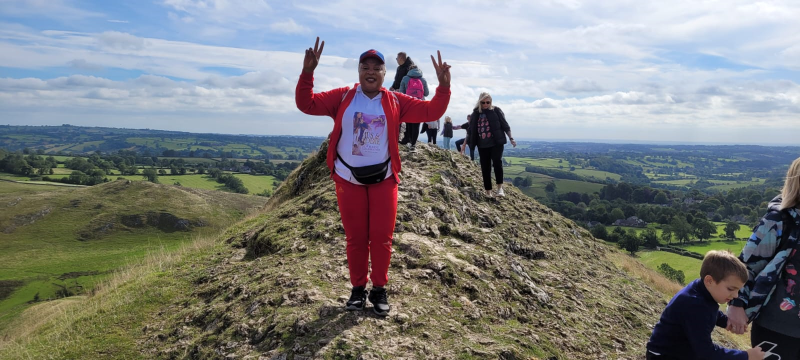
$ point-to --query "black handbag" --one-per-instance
(368, 175)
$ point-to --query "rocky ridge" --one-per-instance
(471, 277)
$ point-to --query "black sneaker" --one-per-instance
(358, 298)
(380, 303)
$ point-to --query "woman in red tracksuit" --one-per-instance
(364, 160)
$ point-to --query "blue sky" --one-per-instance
(686, 71)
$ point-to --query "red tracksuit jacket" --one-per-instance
(398, 108)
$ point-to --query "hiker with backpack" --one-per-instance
(770, 297)
(404, 64)
(413, 84)
(487, 130)
(366, 175)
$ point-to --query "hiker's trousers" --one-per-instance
(491, 157)
(368, 216)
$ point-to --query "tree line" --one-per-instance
(682, 215)
(96, 168)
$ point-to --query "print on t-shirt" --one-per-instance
(483, 127)
(789, 301)
(367, 131)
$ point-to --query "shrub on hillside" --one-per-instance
(672, 274)
(599, 231)
(630, 242)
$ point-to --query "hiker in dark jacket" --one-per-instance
(404, 63)
(487, 130)
(770, 297)
(411, 133)
(447, 132)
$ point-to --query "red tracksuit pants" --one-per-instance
(368, 216)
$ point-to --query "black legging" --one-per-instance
(788, 348)
(432, 135)
(491, 157)
(411, 135)
(460, 143)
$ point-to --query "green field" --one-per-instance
(741, 234)
(734, 246)
(55, 149)
(83, 145)
(724, 185)
(565, 186)
(62, 159)
(28, 188)
(720, 185)
(255, 184)
(170, 144)
(547, 163)
(191, 160)
(73, 237)
(682, 182)
(689, 266)
(517, 164)
(536, 190)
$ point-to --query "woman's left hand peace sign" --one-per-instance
(442, 70)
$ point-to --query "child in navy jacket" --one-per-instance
(684, 330)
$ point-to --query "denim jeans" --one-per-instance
(446, 144)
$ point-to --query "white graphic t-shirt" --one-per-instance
(364, 138)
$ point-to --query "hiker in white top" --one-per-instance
(432, 129)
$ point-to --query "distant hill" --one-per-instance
(471, 278)
(68, 139)
(59, 241)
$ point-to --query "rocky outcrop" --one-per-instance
(23, 220)
(162, 220)
(471, 277)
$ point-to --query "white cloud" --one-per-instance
(8, 84)
(122, 41)
(219, 18)
(80, 81)
(82, 64)
(63, 10)
(289, 27)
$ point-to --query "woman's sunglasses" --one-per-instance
(486, 102)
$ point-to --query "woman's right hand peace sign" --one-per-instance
(312, 57)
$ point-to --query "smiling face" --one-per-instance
(725, 290)
(371, 73)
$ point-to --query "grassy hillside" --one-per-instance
(59, 239)
(518, 163)
(255, 184)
